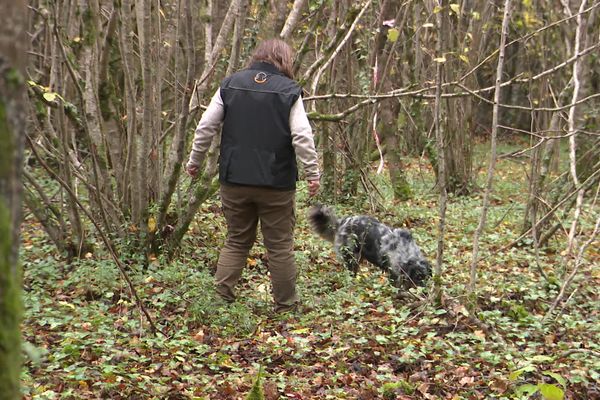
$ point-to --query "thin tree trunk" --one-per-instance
(176, 151)
(13, 119)
(458, 129)
(572, 127)
(292, 19)
(90, 11)
(59, 75)
(147, 155)
(211, 54)
(238, 34)
(325, 131)
(131, 169)
(439, 135)
(208, 32)
(494, 134)
(202, 188)
(385, 81)
(279, 16)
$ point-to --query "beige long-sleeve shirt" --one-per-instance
(302, 136)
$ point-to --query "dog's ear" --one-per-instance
(403, 234)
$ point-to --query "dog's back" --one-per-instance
(363, 235)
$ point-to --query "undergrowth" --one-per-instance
(353, 337)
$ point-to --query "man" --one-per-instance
(264, 129)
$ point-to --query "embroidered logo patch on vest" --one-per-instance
(261, 77)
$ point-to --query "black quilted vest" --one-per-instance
(256, 141)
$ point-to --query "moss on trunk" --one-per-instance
(400, 185)
(328, 177)
(389, 130)
(10, 279)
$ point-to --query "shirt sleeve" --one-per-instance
(208, 127)
(303, 141)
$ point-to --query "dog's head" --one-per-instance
(417, 271)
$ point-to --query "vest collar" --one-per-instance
(265, 67)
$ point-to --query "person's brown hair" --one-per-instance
(276, 52)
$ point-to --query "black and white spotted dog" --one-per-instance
(362, 237)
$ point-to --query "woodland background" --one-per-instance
(473, 123)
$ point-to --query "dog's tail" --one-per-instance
(323, 221)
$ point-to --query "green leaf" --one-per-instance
(34, 353)
(551, 392)
(526, 390)
(300, 331)
(556, 377)
(540, 358)
(393, 34)
(151, 224)
(381, 339)
(50, 96)
(516, 374)
(257, 393)
(455, 7)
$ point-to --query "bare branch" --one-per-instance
(527, 37)
(339, 47)
(578, 262)
(107, 242)
(584, 186)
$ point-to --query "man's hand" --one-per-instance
(313, 187)
(192, 170)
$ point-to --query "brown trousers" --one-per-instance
(244, 207)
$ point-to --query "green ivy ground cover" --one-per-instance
(354, 338)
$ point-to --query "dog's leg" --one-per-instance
(351, 261)
(398, 278)
(394, 277)
(348, 250)
(349, 253)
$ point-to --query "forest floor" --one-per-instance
(355, 337)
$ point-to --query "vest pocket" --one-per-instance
(248, 166)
